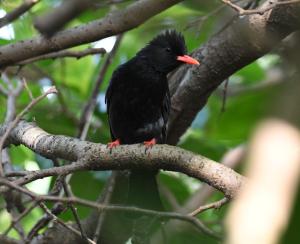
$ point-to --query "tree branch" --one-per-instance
(114, 23)
(64, 54)
(246, 40)
(92, 156)
(51, 22)
(262, 10)
(16, 13)
(102, 207)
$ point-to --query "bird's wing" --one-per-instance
(108, 97)
(165, 114)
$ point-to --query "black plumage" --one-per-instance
(138, 104)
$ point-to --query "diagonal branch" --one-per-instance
(262, 10)
(51, 22)
(114, 23)
(16, 13)
(246, 40)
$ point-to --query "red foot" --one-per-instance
(113, 144)
(149, 144)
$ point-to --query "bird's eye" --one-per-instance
(168, 49)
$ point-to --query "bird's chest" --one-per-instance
(141, 98)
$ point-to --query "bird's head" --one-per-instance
(167, 51)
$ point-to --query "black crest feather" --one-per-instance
(170, 38)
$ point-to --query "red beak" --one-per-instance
(187, 59)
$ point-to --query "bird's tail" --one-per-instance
(143, 193)
(143, 190)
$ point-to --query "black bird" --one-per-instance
(138, 105)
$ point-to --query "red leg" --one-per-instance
(149, 144)
(113, 144)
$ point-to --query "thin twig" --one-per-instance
(27, 88)
(20, 217)
(105, 199)
(224, 97)
(68, 227)
(17, 119)
(215, 205)
(241, 11)
(102, 207)
(69, 193)
(16, 13)
(91, 103)
(64, 54)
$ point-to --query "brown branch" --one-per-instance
(215, 205)
(68, 227)
(105, 198)
(92, 156)
(69, 193)
(102, 207)
(223, 55)
(89, 107)
(114, 23)
(241, 11)
(51, 22)
(19, 218)
(16, 13)
(64, 54)
(27, 88)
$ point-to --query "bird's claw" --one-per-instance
(149, 144)
(113, 144)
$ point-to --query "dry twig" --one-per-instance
(101, 207)
(18, 118)
(215, 205)
(272, 4)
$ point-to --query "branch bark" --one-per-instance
(65, 54)
(114, 23)
(92, 156)
(246, 40)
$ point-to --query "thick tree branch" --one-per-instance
(92, 156)
(114, 23)
(246, 40)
